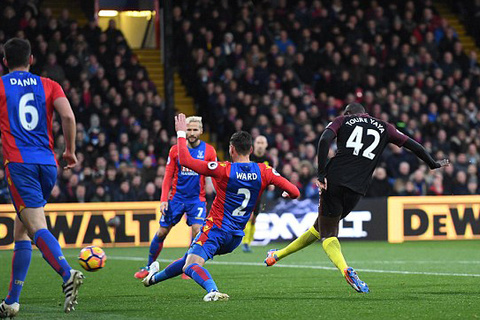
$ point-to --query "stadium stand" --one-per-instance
(282, 69)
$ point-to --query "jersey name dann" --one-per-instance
(23, 82)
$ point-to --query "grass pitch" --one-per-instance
(415, 280)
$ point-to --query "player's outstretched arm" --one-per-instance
(69, 130)
(202, 167)
(169, 172)
(423, 154)
(277, 180)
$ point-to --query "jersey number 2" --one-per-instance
(240, 210)
(355, 142)
(24, 109)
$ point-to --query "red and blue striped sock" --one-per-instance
(52, 253)
(172, 270)
(156, 247)
(201, 276)
(22, 254)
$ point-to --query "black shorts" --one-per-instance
(338, 201)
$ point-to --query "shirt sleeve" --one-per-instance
(335, 124)
(273, 177)
(207, 168)
(169, 172)
(395, 136)
(212, 154)
(57, 91)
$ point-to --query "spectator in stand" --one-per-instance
(380, 187)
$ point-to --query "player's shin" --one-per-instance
(251, 234)
(334, 252)
(156, 247)
(201, 276)
(22, 254)
(52, 253)
(247, 230)
(172, 270)
(306, 239)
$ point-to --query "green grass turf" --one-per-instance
(278, 292)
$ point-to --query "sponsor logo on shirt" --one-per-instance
(188, 172)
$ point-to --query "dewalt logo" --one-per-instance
(433, 218)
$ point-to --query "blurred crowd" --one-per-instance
(122, 143)
(282, 69)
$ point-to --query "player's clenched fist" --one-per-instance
(180, 122)
(71, 160)
(163, 207)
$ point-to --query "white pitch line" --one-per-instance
(301, 266)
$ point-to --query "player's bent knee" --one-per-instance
(162, 232)
(185, 267)
(196, 229)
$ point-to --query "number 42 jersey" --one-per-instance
(361, 140)
(239, 185)
(26, 114)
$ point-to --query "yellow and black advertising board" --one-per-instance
(433, 218)
(77, 225)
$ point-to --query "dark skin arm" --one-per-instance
(322, 156)
(422, 153)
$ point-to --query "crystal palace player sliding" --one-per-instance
(27, 102)
(188, 191)
(361, 140)
(239, 185)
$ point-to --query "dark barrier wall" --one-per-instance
(409, 218)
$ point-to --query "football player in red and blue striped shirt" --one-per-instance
(239, 185)
(27, 102)
(187, 191)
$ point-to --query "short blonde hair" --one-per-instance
(195, 119)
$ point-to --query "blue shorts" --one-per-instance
(214, 242)
(30, 185)
(196, 213)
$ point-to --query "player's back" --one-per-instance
(361, 140)
(237, 194)
(26, 111)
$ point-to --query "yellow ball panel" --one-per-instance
(83, 264)
(94, 263)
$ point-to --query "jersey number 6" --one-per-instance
(24, 109)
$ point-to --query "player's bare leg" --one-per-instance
(196, 229)
(20, 264)
(307, 238)
(36, 225)
(329, 232)
(156, 247)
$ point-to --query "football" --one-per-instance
(92, 258)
